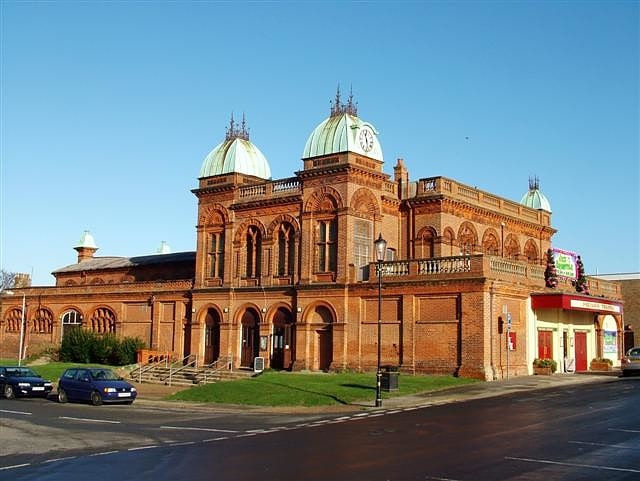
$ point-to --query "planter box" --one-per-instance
(599, 366)
(542, 371)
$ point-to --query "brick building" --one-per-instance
(286, 270)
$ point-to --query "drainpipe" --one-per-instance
(491, 333)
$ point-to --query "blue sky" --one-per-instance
(109, 108)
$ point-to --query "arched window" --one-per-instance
(42, 321)
(490, 244)
(511, 247)
(286, 249)
(425, 244)
(531, 251)
(71, 320)
(254, 252)
(14, 318)
(215, 255)
(103, 321)
(327, 245)
(467, 240)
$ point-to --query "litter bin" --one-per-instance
(389, 380)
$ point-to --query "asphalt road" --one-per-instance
(572, 432)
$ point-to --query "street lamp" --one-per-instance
(20, 346)
(381, 249)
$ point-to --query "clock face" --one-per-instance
(366, 139)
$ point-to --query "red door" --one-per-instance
(545, 349)
(581, 350)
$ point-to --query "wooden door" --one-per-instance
(325, 348)
(212, 337)
(250, 339)
(581, 350)
(545, 346)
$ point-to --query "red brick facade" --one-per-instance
(285, 269)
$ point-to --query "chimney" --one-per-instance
(86, 248)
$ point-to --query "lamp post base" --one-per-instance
(378, 388)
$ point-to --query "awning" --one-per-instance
(576, 303)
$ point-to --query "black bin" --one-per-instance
(389, 380)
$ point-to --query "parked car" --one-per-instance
(16, 381)
(95, 384)
(630, 363)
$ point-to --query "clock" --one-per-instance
(366, 139)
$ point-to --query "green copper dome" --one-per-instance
(343, 131)
(236, 154)
(534, 198)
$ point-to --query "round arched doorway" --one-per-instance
(250, 347)
(211, 336)
(283, 353)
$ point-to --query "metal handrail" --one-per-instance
(217, 366)
(151, 366)
(185, 361)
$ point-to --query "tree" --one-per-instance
(7, 280)
(580, 283)
(550, 273)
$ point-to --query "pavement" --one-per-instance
(155, 394)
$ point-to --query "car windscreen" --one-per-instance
(104, 375)
(21, 372)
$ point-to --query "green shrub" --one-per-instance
(84, 346)
(77, 346)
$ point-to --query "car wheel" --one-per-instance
(9, 393)
(96, 399)
(62, 396)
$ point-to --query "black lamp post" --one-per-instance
(381, 249)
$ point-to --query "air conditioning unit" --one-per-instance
(258, 364)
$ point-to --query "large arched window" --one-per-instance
(103, 321)
(215, 254)
(327, 245)
(467, 239)
(71, 320)
(286, 249)
(254, 252)
(42, 321)
(490, 244)
(531, 251)
(512, 247)
(14, 318)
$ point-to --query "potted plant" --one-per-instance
(600, 364)
(544, 367)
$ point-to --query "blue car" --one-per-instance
(17, 381)
(95, 384)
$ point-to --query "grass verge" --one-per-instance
(273, 388)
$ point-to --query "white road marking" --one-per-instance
(186, 443)
(22, 413)
(104, 453)
(574, 465)
(4, 468)
(617, 446)
(140, 448)
(88, 420)
(187, 428)
(58, 459)
(221, 438)
(625, 430)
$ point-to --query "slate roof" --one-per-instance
(112, 262)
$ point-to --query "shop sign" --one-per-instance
(566, 263)
(595, 306)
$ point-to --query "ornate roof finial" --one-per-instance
(534, 183)
(235, 132)
(338, 108)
